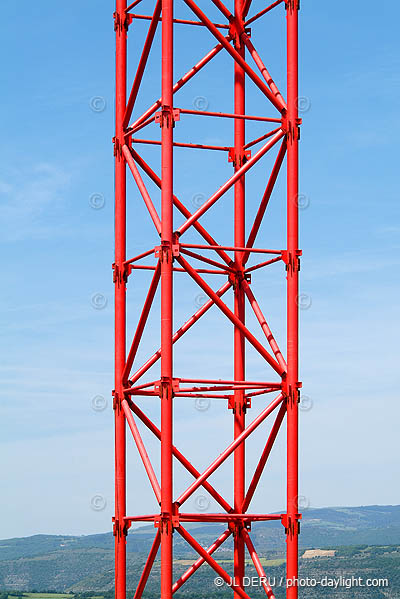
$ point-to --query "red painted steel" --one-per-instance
(227, 261)
(120, 300)
(190, 571)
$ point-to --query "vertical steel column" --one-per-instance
(239, 300)
(166, 258)
(120, 300)
(292, 296)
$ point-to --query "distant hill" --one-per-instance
(326, 527)
(86, 562)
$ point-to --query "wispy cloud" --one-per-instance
(32, 202)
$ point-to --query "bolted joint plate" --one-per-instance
(167, 116)
(291, 524)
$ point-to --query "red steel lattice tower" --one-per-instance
(171, 257)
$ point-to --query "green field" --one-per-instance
(264, 562)
(48, 595)
(39, 595)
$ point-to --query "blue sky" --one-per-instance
(56, 451)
